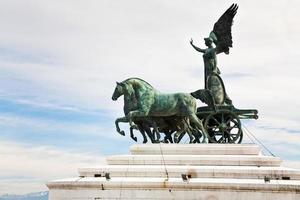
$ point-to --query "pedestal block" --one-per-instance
(184, 171)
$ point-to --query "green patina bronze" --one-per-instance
(152, 112)
(144, 103)
(222, 38)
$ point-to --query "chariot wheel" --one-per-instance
(224, 127)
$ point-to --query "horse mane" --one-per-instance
(129, 79)
(135, 92)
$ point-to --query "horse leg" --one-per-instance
(137, 113)
(118, 120)
(131, 133)
(181, 136)
(156, 136)
(178, 135)
(197, 134)
(187, 129)
(193, 118)
(144, 129)
(145, 140)
(184, 127)
(150, 134)
(191, 135)
(166, 138)
(169, 136)
(155, 132)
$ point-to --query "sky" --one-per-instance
(60, 59)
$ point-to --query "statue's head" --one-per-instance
(208, 41)
(119, 91)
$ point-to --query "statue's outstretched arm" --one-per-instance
(197, 48)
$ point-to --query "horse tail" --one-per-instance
(205, 96)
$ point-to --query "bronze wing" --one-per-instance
(221, 34)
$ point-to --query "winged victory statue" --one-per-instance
(154, 113)
(221, 37)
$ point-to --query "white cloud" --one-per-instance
(67, 55)
(27, 168)
(19, 123)
(291, 164)
(94, 44)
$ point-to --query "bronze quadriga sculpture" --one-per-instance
(153, 113)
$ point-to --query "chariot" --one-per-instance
(154, 113)
(220, 118)
(223, 125)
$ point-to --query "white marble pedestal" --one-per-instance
(213, 171)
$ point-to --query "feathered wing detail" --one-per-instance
(221, 34)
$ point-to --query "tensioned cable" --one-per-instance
(258, 141)
(162, 155)
(261, 145)
(253, 142)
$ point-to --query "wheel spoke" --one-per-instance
(215, 120)
(212, 127)
(232, 127)
(220, 140)
(234, 138)
(218, 133)
(235, 122)
(228, 132)
(224, 127)
(222, 117)
(225, 140)
(228, 121)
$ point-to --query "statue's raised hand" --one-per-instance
(191, 41)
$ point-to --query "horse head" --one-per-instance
(122, 88)
(119, 91)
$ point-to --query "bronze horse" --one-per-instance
(141, 100)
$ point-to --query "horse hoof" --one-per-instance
(194, 141)
(122, 133)
(145, 141)
(135, 139)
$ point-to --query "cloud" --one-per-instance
(31, 166)
(291, 164)
(78, 54)
(280, 136)
(59, 61)
(59, 132)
